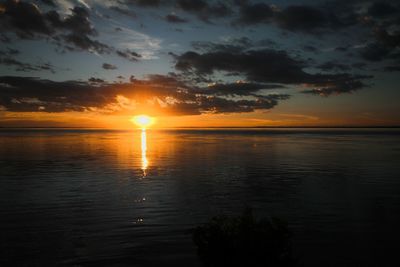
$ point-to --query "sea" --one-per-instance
(96, 197)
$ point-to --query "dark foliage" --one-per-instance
(244, 241)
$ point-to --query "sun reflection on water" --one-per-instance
(145, 162)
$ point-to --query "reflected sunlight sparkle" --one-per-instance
(145, 162)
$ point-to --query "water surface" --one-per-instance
(97, 197)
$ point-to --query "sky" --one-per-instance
(239, 63)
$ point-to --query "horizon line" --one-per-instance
(207, 127)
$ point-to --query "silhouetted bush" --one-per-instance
(244, 241)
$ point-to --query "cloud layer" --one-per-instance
(160, 94)
(265, 53)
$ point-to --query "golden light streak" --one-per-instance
(145, 162)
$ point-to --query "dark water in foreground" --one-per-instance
(99, 198)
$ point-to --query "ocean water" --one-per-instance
(127, 198)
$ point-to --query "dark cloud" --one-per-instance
(165, 94)
(204, 10)
(334, 66)
(213, 104)
(145, 3)
(265, 66)
(80, 30)
(262, 65)
(74, 31)
(175, 19)
(12, 51)
(7, 59)
(78, 22)
(254, 13)
(310, 48)
(390, 40)
(9, 52)
(108, 66)
(342, 48)
(359, 65)
(231, 46)
(375, 52)
(304, 18)
(392, 68)
(381, 9)
(83, 42)
(193, 6)
(129, 55)
(4, 38)
(49, 3)
(124, 11)
(24, 18)
(258, 65)
(385, 44)
(311, 19)
(21, 94)
(237, 88)
(95, 80)
(336, 88)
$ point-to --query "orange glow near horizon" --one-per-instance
(277, 117)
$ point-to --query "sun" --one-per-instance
(143, 121)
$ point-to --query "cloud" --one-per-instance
(305, 19)
(49, 3)
(392, 68)
(336, 88)
(381, 9)
(108, 66)
(94, 80)
(9, 52)
(238, 88)
(77, 22)
(333, 66)
(295, 18)
(124, 11)
(7, 58)
(73, 31)
(83, 42)
(4, 38)
(231, 45)
(257, 65)
(213, 104)
(311, 48)
(375, 52)
(384, 46)
(132, 45)
(130, 55)
(204, 10)
(145, 3)
(24, 18)
(254, 13)
(19, 66)
(265, 66)
(175, 19)
(163, 94)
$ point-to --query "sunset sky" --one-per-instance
(98, 63)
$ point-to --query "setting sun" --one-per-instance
(143, 121)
